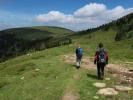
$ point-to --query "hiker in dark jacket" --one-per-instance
(79, 54)
(101, 59)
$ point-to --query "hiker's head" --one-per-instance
(78, 45)
(100, 45)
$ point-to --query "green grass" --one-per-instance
(48, 83)
(56, 77)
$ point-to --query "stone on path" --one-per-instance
(22, 78)
(96, 97)
(99, 85)
(37, 69)
(107, 92)
(29, 54)
(122, 88)
(107, 79)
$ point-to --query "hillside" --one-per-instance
(51, 74)
(123, 27)
(37, 32)
(17, 41)
(57, 31)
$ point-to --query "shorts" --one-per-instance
(79, 57)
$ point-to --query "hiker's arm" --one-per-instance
(76, 51)
(95, 59)
(107, 57)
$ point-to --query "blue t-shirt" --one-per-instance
(79, 51)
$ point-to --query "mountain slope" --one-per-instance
(17, 41)
(37, 32)
(46, 75)
(57, 31)
(122, 26)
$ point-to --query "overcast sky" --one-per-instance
(72, 14)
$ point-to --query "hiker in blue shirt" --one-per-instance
(79, 54)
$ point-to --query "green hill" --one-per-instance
(17, 41)
(123, 27)
(37, 32)
(51, 74)
(57, 31)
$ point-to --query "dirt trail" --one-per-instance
(123, 74)
(70, 93)
(119, 71)
(86, 64)
(86, 61)
(70, 96)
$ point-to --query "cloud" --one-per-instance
(91, 9)
(118, 12)
(90, 15)
(55, 16)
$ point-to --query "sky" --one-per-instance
(72, 14)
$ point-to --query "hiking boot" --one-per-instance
(102, 78)
(78, 67)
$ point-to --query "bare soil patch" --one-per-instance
(123, 74)
(86, 63)
(70, 96)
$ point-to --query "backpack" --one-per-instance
(101, 56)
